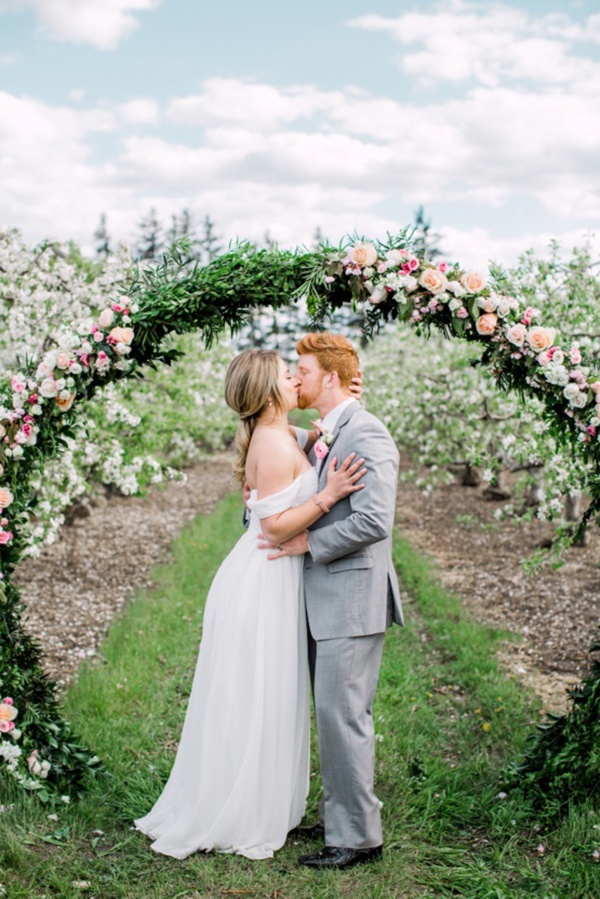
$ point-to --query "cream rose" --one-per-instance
(6, 497)
(540, 338)
(433, 280)
(486, 324)
(106, 318)
(473, 282)
(363, 254)
(121, 335)
(516, 334)
(62, 359)
(378, 295)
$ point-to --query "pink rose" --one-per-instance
(473, 282)
(486, 324)
(363, 254)
(516, 334)
(33, 399)
(5, 727)
(18, 384)
(5, 537)
(595, 387)
(102, 361)
(8, 700)
(98, 336)
(461, 312)
(443, 267)
(527, 316)
(321, 449)
(540, 338)
(433, 280)
(575, 355)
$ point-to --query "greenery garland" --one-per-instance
(386, 280)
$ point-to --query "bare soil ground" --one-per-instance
(78, 585)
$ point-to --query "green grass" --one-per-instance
(448, 722)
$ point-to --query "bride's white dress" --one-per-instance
(240, 779)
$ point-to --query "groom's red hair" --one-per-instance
(333, 353)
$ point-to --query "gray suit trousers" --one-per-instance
(344, 674)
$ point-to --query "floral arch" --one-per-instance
(387, 280)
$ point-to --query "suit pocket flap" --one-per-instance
(350, 562)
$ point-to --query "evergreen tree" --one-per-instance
(150, 242)
(424, 240)
(102, 239)
(210, 243)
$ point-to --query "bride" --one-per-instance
(240, 778)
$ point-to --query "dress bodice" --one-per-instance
(296, 493)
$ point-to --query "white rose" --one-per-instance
(17, 451)
(558, 357)
(410, 283)
(134, 308)
(36, 409)
(571, 391)
(61, 383)
(580, 401)
(76, 368)
(442, 298)
(121, 349)
(454, 304)
(503, 307)
(456, 288)
(394, 257)
(48, 388)
(378, 294)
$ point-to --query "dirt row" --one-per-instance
(79, 584)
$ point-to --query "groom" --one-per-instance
(352, 596)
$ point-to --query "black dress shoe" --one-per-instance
(339, 857)
(308, 832)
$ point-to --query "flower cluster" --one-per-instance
(402, 285)
(28, 772)
(93, 349)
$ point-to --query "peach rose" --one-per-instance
(6, 497)
(516, 334)
(363, 254)
(540, 338)
(433, 280)
(65, 404)
(7, 711)
(121, 335)
(106, 318)
(473, 282)
(486, 324)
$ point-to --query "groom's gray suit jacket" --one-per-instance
(350, 583)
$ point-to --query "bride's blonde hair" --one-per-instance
(251, 384)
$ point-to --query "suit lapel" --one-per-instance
(342, 422)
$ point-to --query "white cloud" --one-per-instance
(463, 41)
(101, 23)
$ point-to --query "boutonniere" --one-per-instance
(325, 440)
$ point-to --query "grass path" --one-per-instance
(448, 721)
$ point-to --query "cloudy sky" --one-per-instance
(286, 118)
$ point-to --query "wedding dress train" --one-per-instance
(240, 778)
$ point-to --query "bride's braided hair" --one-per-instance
(250, 386)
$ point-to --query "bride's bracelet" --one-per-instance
(319, 502)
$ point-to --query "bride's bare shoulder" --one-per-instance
(272, 458)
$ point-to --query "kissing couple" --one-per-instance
(304, 598)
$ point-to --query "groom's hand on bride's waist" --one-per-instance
(295, 546)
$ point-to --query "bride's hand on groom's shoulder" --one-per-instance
(295, 546)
